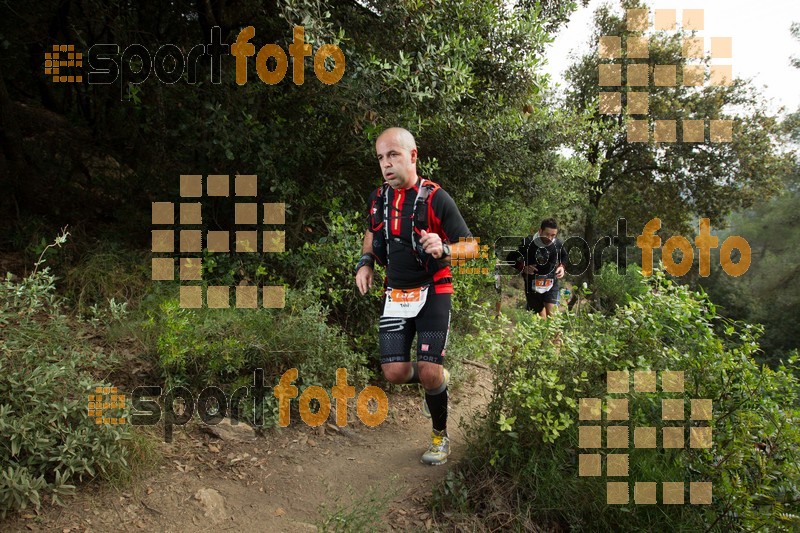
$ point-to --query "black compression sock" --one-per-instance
(437, 405)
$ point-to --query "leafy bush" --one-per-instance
(612, 289)
(472, 293)
(199, 347)
(46, 438)
(529, 439)
(325, 271)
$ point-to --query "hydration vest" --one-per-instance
(379, 214)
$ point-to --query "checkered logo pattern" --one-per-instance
(63, 56)
(102, 406)
(618, 437)
(460, 260)
(190, 237)
(639, 77)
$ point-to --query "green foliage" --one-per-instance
(678, 181)
(325, 270)
(494, 163)
(453, 492)
(769, 292)
(529, 439)
(223, 347)
(461, 76)
(107, 274)
(472, 293)
(47, 441)
(612, 289)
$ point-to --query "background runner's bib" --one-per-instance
(543, 284)
(406, 303)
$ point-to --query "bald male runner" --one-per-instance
(413, 228)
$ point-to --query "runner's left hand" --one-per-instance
(560, 272)
(432, 244)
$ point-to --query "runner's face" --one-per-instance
(398, 163)
(548, 235)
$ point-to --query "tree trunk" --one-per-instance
(589, 235)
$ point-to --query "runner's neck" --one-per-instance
(414, 185)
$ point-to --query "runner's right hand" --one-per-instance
(530, 269)
(364, 279)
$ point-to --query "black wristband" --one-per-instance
(366, 260)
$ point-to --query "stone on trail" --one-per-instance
(225, 430)
(213, 503)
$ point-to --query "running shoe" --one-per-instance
(439, 449)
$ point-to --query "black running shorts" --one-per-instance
(536, 300)
(431, 326)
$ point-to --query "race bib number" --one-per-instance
(542, 285)
(406, 303)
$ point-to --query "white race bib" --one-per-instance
(406, 303)
(542, 285)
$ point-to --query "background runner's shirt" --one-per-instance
(444, 218)
(545, 257)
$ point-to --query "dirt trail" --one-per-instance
(277, 482)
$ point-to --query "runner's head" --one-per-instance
(397, 156)
(548, 230)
